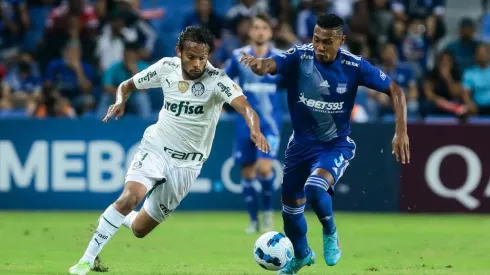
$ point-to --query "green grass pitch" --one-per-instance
(214, 243)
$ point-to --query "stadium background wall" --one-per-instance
(80, 165)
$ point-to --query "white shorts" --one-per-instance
(166, 184)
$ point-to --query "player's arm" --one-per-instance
(146, 79)
(229, 92)
(375, 79)
(272, 65)
(241, 105)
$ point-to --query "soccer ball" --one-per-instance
(273, 250)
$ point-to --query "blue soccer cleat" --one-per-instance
(295, 265)
(331, 249)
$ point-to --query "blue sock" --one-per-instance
(295, 228)
(267, 185)
(316, 194)
(250, 197)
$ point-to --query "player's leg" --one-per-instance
(266, 179)
(296, 171)
(245, 156)
(265, 164)
(319, 188)
(250, 196)
(109, 223)
(161, 200)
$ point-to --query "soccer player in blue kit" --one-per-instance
(262, 93)
(322, 85)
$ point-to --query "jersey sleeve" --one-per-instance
(150, 77)
(227, 90)
(231, 68)
(373, 77)
(286, 59)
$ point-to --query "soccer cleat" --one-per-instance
(295, 265)
(331, 248)
(82, 268)
(252, 228)
(267, 221)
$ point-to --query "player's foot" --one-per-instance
(252, 228)
(331, 248)
(295, 265)
(267, 221)
(82, 268)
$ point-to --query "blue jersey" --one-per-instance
(321, 96)
(261, 91)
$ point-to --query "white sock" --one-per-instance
(109, 223)
(128, 221)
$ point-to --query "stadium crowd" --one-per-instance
(66, 58)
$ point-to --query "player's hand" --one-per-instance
(260, 142)
(116, 110)
(401, 147)
(256, 64)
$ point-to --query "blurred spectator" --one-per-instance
(110, 46)
(344, 8)
(72, 77)
(283, 10)
(307, 19)
(403, 75)
(14, 21)
(5, 103)
(139, 102)
(52, 104)
(134, 21)
(205, 16)
(442, 88)
(430, 12)
(247, 8)
(415, 47)
(235, 41)
(476, 83)
(284, 37)
(24, 82)
(380, 13)
(60, 15)
(72, 20)
(464, 48)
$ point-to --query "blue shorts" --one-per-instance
(300, 161)
(244, 149)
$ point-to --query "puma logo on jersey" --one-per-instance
(224, 89)
(184, 107)
(148, 76)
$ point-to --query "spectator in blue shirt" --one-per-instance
(139, 103)
(24, 81)
(403, 75)
(476, 82)
(232, 42)
(465, 47)
(307, 19)
(72, 77)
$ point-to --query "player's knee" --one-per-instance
(127, 202)
(139, 233)
(265, 170)
(248, 171)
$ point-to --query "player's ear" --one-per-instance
(179, 53)
(343, 39)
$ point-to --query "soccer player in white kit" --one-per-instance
(173, 149)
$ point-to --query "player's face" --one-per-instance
(326, 43)
(482, 54)
(260, 32)
(193, 57)
(389, 54)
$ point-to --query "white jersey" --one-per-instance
(186, 125)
